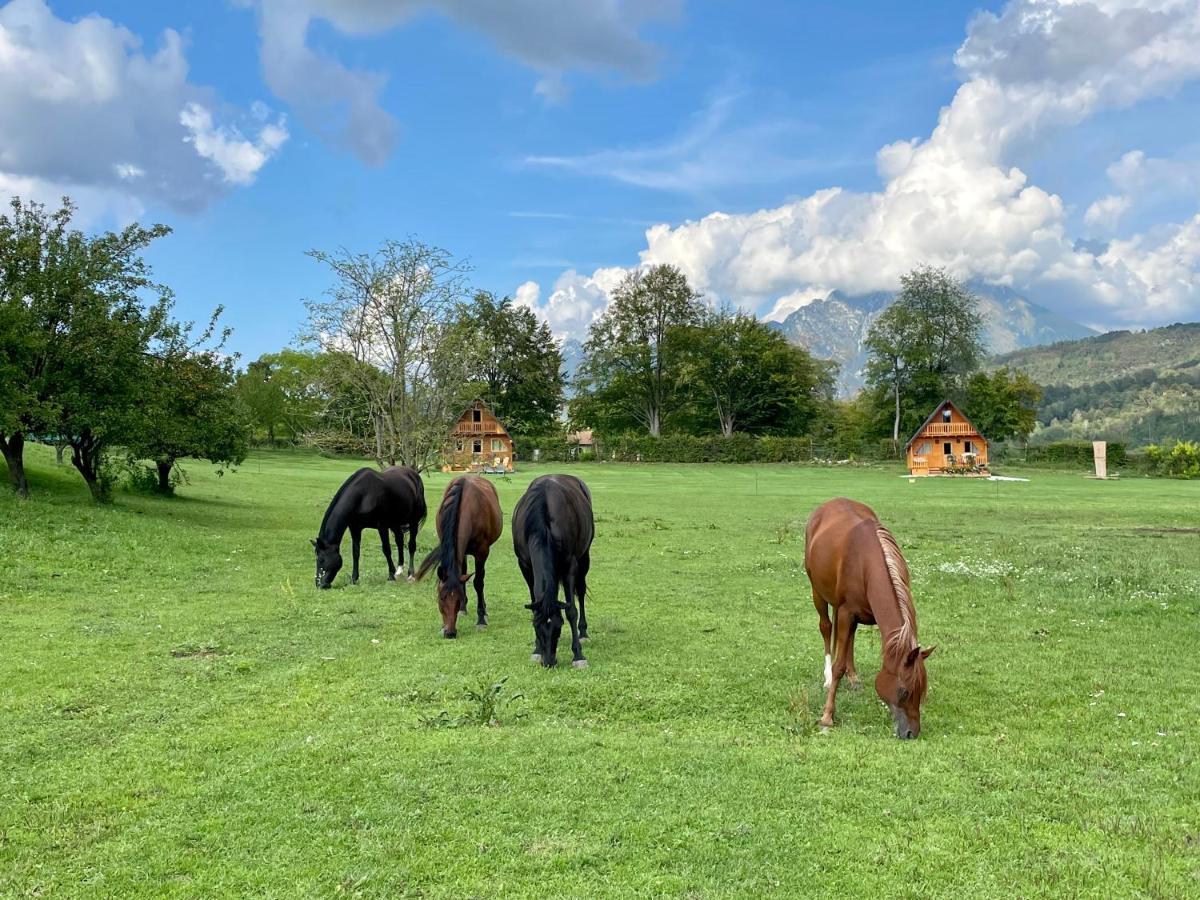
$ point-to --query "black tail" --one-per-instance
(444, 555)
(542, 554)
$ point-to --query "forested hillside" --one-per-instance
(1141, 387)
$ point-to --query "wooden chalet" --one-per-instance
(479, 443)
(946, 441)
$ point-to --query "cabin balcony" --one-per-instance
(469, 428)
(945, 429)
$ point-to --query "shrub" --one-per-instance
(1064, 453)
(1181, 461)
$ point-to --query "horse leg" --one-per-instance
(527, 574)
(841, 625)
(387, 553)
(585, 563)
(355, 540)
(412, 551)
(480, 606)
(398, 534)
(826, 635)
(855, 684)
(573, 617)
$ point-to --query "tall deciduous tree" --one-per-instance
(88, 309)
(631, 374)
(388, 321)
(285, 393)
(924, 346)
(520, 364)
(1004, 404)
(747, 377)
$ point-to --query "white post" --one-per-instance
(1099, 452)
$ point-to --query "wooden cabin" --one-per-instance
(479, 443)
(947, 440)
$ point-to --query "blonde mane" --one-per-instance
(906, 637)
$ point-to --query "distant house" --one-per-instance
(947, 440)
(479, 443)
(583, 441)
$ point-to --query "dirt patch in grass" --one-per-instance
(198, 652)
(1166, 530)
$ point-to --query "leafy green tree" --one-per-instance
(286, 392)
(189, 407)
(634, 352)
(520, 364)
(81, 302)
(405, 370)
(1004, 404)
(746, 377)
(924, 346)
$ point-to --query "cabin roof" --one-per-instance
(937, 409)
(499, 429)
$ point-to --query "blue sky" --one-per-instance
(543, 150)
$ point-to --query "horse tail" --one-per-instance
(445, 553)
(540, 540)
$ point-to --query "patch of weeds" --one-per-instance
(486, 704)
(199, 651)
(801, 719)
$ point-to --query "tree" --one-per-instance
(79, 303)
(748, 378)
(189, 407)
(1003, 405)
(520, 364)
(631, 374)
(286, 392)
(387, 325)
(924, 346)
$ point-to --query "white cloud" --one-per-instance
(1104, 214)
(550, 36)
(85, 110)
(954, 200)
(576, 301)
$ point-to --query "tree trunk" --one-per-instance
(164, 467)
(655, 424)
(59, 447)
(727, 426)
(13, 447)
(85, 457)
(896, 421)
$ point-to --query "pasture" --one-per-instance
(184, 714)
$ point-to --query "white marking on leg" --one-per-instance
(828, 671)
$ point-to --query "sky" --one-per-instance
(774, 151)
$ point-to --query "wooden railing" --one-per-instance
(469, 428)
(942, 429)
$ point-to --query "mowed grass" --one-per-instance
(183, 714)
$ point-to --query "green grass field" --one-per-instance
(183, 714)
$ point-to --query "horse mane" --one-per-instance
(538, 534)
(905, 638)
(446, 553)
(336, 498)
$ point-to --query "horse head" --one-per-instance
(547, 627)
(329, 562)
(903, 691)
(452, 599)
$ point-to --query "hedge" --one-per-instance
(686, 448)
(1180, 461)
(1063, 453)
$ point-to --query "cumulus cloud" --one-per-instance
(954, 200)
(85, 110)
(549, 36)
(575, 302)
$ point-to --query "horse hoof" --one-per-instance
(535, 657)
(411, 579)
(824, 724)
(481, 626)
(579, 664)
(856, 685)
(584, 637)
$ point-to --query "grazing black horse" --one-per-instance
(552, 536)
(391, 500)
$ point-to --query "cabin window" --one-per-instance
(967, 447)
(924, 449)
(476, 415)
(477, 446)
(947, 449)
(458, 445)
(497, 444)
(946, 415)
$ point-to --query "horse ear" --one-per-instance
(562, 606)
(529, 606)
(466, 578)
(925, 653)
(912, 656)
(314, 543)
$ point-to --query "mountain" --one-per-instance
(836, 327)
(1142, 387)
(572, 354)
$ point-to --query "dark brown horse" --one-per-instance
(552, 537)
(468, 523)
(855, 566)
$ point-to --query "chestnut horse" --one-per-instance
(855, 566)
(468, 523)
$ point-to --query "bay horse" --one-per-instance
(855, 565)
(552, 537)
(468, 523)
(391, 500)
